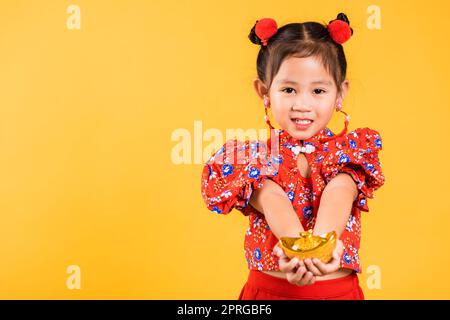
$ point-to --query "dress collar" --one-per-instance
(316, 140)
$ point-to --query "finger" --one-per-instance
(290, 276)
(298, 275)
(274, 249)
(278, 251)
(306, 278)
(311, 281)
(283, 259)
(312, 268)
(334, 264)
(286, 265)
(322, 267)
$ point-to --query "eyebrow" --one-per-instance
(287, 81)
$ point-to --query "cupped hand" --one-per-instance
(295, 270)
(319, 268)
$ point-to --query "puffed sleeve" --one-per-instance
(356, 154)
(231, 175)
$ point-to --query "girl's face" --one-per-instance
(303, 89)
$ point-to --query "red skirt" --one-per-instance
(261, 286)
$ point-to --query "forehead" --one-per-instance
(303, 71)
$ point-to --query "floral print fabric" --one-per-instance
(231, 175)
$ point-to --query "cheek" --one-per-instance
(322, 116)
(280, 113)
(280, 108)
(326, 114)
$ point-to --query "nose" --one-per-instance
(301, 103)
(301, 107)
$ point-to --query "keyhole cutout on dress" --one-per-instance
(303, 166)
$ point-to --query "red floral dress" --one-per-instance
(239, 167)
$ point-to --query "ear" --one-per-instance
(260, 88)
(345, 85)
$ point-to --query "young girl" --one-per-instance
(311, 178)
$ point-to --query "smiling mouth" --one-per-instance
(302, 121)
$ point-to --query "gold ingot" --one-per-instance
(310, 246)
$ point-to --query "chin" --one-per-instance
(302, 134)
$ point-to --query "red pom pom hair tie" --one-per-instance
(339, 30)
(265, 28)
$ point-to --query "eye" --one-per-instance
(315, 90)
(287, 89)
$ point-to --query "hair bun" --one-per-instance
(343, 17)
(252, 35)
(339, 28)
(263, 30)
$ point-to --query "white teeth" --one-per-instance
(303, 121)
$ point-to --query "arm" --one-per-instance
(274, 204)
(336, 204)
(334, 211)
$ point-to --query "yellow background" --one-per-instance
(86, 175)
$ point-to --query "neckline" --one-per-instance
(316, 140)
